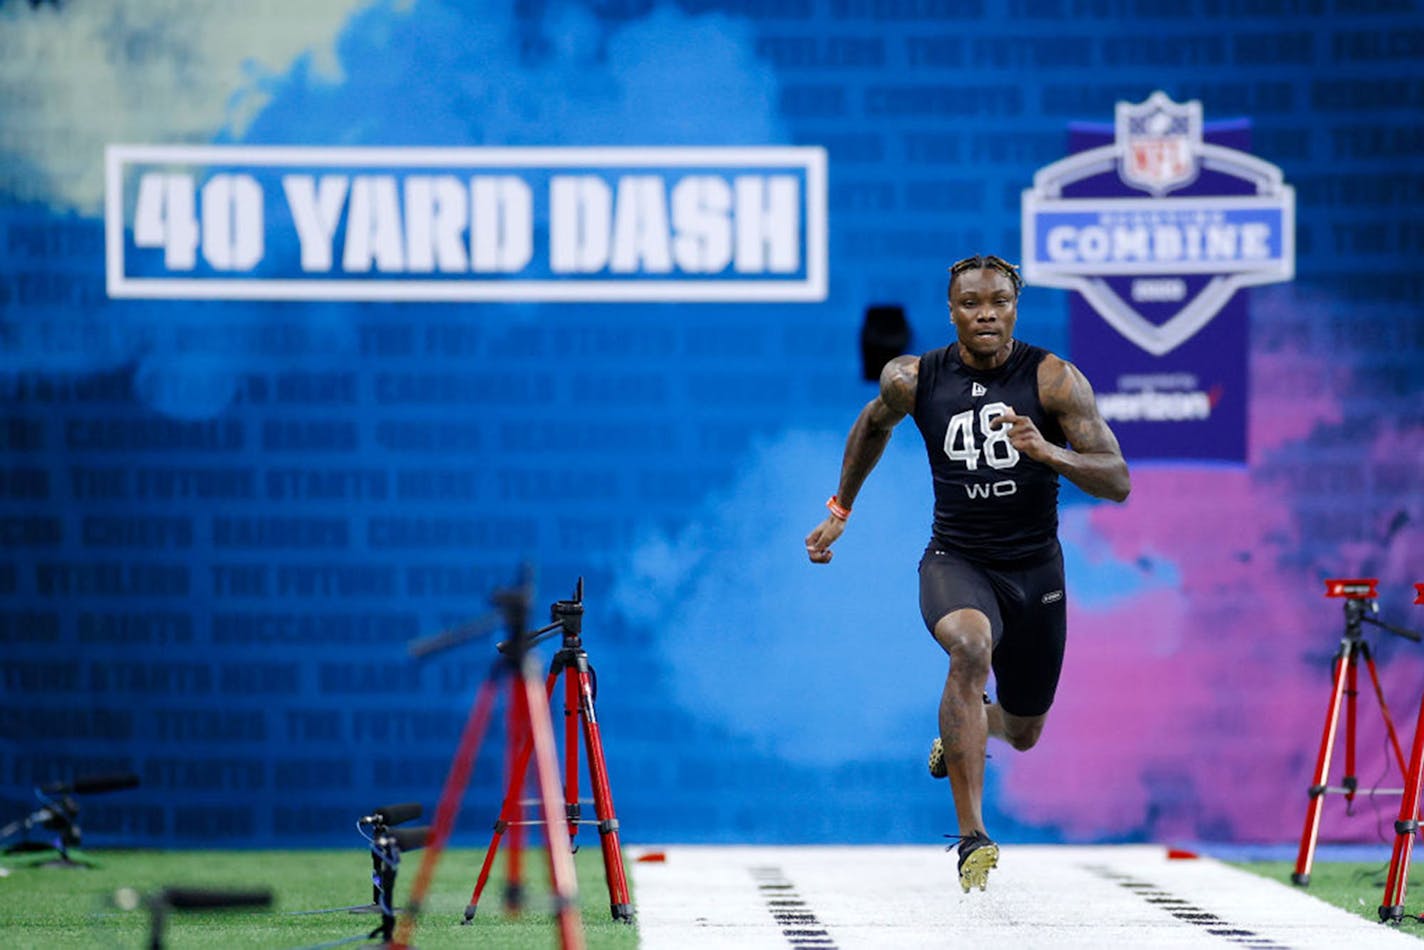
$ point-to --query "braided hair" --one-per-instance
(982, 262)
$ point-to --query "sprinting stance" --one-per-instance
(1001, 421)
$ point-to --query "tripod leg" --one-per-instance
(619, 902)
(1352, 676)
(1384, 709)
(449, 806)
(1392, 907)
(389, 858)
(517, 735)
(511, 813)
(571, 762)
(562, 876)
(511, 810)
(518, 738)
(1306, 857)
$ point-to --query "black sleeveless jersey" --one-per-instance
(992, 503)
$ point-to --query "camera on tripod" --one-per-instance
(568, 614)
(1353, 588)
(1359, 594)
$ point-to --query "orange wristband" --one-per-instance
(837, 509)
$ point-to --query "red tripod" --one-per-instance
(1358, 594)
(579, 688)
(532, 708)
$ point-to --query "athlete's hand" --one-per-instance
(819, 541)
(1024, 436)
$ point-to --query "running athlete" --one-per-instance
(1001, 421)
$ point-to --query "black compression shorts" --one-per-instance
(1027, 614)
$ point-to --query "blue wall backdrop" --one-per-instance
(222, 521)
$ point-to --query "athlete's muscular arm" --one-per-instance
(865, 444)
(1094, 461)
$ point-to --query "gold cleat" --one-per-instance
(977, 856)
(937, 767)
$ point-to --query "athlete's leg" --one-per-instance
(1021, 732)
(1028, 658)
(960, 610)
(994, 716)
(966, 635)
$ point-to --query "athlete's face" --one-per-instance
(984, 308)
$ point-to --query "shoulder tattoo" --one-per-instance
(898, 381)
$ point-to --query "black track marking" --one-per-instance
(797, 922)
(1185, 910)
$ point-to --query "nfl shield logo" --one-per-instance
(1160, 141)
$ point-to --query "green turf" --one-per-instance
(47, 907)
(1358, 888)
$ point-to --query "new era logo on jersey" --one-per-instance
(977, 390)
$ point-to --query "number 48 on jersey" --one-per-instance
(961, 445)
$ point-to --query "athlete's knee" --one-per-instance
(1023, 733)
(965, 635)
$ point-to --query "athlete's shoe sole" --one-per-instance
(974, 867)
(937, 767)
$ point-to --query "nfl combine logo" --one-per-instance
(1156, 222)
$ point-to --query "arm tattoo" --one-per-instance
(1081, 422)
(897, 385)
(1096, 464)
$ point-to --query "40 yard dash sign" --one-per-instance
(449, 224)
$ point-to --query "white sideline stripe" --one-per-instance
(1040, 896)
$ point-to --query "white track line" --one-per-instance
(857, 898)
